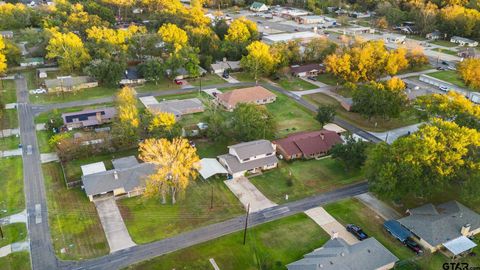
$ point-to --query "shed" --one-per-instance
(210, 167)
(397, 230)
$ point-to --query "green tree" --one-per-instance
(352, 154)
(259, 60)
(325, 114)
(152, 70)
(317, 49)
(107, 72)
(251, 122)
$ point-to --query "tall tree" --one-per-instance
(352, 154)
(3, 58)
(176, 164)
(68, 49)
(106, 72)
(125, 130)
(152, 70)
(174, 37)
(251, 122)
(258, 61)
(469, 70)
(325, 114)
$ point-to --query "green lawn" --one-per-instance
(11, 194)
(415, 69)
(208, 149)
(406, 118)
(269, 246)
(445, 51)
(450, 76)
(9, 143)
(328, 78)
(45, 116)
(243, 76)
(10, 119)
(303, 178)
(208, 79)
(444, 43)
(42, 138)
(291, 117)
(12, 233)
(165, 84)
(16, 261)
(147, 219)
(73, 219)
(84, 94)
(8, 92)
(73, 170)
(295, 84)
(416, 37)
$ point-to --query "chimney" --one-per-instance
(465, 230)
(334, 234)
(322, 136)
(115, 175)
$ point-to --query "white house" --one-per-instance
(258, 7)
(464, 41)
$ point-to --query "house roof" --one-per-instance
(124, 162)
(309, 142)
(132, 74)
(459, 245)
(253, 148)
(245, 95)
(128, 179)
(68, 81)
(93, 168)
(290, 36)
(307, 68)
(441, 223)
(466, 40)
(89, 117)
(226, 65)
(336, 254)
(397, 230)
(178, 107)
(210, 167)
(256, 5)
(235, 166)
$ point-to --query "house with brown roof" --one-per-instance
(307, 70)
(309, 144)
(256, 95)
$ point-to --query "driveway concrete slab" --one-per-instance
(247, 193)
(230, 79)
(330, 224)
(5, 251)
(15, 218)
(11, 153)
(49, 157)
(377, 206)
(40, 126)
(10, 106)
(9, 132)
(113, 225)
(20, 246)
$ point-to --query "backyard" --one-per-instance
(45, 116)
(269, 246)
(12, 199)
(84, 94)
(450, 76)
(328, 78)
(147, 219)
(164, 84)
(447, 51)
(8, 92)
(10, 119)
(303, 178)
(75, 227)
(209, 79)
(376, 124)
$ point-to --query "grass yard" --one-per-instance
(450, 76)
(208, 79)
(73, 219)
(444, 43)
(417, 37)
(10, 119)
(353, 211)
(208, 149)
(291, 117)
(295, 84)
(415, 69)
(84, 94)
(303, 178)
(147, 219)
(243, 76)
(43, 137)
(328, 78)
(12, 199)
(12, 233)
(269, 246)
(45, 116)
(8, 92)
(165, 84)
(73, 171)
(9, 143)
(405, 119)
(445, 51)
(16, 261)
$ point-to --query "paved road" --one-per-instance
(42, 254)
(139, 253)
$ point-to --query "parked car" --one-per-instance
(357, 232)
(178, 82)
(39, 91)
(443, 88)
(312, 78)
(444, 63)
(29, 149)
(440, 68)
(451, 68)
(225, 74)
(413, 245)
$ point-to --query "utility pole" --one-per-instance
(211, 200)
(246, 225)
(1, 232)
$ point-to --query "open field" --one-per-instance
(84, 94)
(10, 119)
(207, 80)
(328, 78)
(73, 219)
(269, 246)
(243, 76)
(405, 119)
(8, 92)
(147, 219)
(12, 199)
(303, 178)
(163, 85)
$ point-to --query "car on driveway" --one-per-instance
(357, 232)
(312, 78)
(412, 245)
(178, 82)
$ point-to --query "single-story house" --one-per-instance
(435, 227)
(435, 35)
(359, 15)
(6, 34)
(464, 41)
(69, 83)
(292, 13)
(178, 107)
(337, 254)
(88, 118)
(131, 76)
(256, 95)
(126, 179)
(307, 144)
(258, 7)
(251, 157)
(285, 37)
(353, 31)
(31, 62)
(307, 70)
(182, 73)
(220, 66)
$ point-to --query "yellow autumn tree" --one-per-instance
(469, 70)
(395, 84)
(176, 163)
(68, 49)
(164, 6)
(164, 120)
(3, 58)
(117, 38)
(396, 61)
(127, 107)
(174, 36)
(259, 61)
(241, 30)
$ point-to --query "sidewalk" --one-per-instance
(15, 218)
(9, 132)
(11, 153)
(15, 247)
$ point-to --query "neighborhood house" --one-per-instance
(88, 118)
(69, 83)
(308, 144)
(307, 70)
(178, 107)
(220, 66)
(257, 7)
(444, 227)
(256, 95)
(31, 62)
(368, 254)
(301, 36)
(251, 157)
(464, 41)
(126, 179)
(131, 77)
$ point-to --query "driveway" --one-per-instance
(330, 224)
(113, 225)
(377, 206)
(230, 79)
(247, 193)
